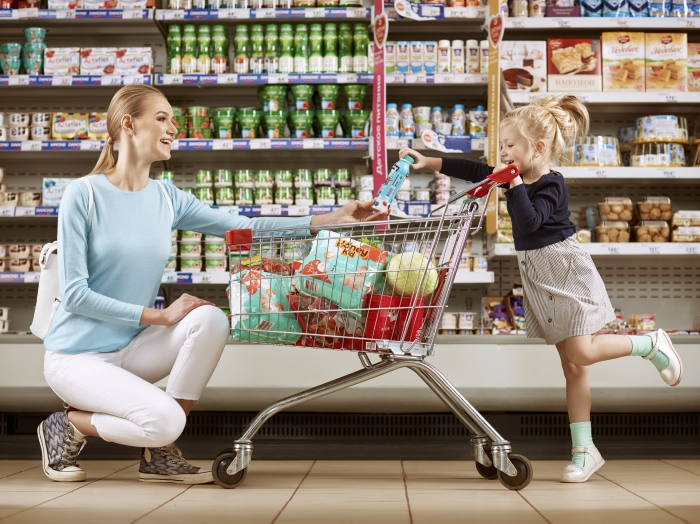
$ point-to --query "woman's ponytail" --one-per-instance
(107, 159)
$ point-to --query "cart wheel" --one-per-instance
(488, 472)
(522, 477)
(221, 464)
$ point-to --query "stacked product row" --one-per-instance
(433, 57)
(599, 8)
(20, 258)
(57, 126)
(412, 121)
(260, 4)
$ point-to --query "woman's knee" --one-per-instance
(209, 320)
(165, 424)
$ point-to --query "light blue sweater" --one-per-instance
(110, 271)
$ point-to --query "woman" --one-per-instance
(107, 345)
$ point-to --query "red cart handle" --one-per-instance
(498, 177)
(239, 239)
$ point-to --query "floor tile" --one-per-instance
(12, 502)
(376, 469)
(689, 465)
(685, 505)
(341, 509)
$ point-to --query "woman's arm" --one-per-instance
(530, 214)
(455, 167)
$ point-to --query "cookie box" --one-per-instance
(652, 231)
(573, 64)
(615, 208)
(524, 65)
(694, 67)
(654, 208)
(613, 232)
(666, 61)
(623, 61)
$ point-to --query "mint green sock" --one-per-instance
(642, 346)
(580, 438)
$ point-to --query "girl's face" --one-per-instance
(154, 131)
(515, 149)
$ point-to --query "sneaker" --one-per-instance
(593, 462)
(60, 445)
(166, 464)
(673, 373)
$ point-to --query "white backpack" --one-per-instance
(48, 296)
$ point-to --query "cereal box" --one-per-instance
(98, 60)
(666, 61)
(524, 65)
(97, 127)
(61, 61)
(69, 126)
(694, 67)
(573, 64)
(134, 61)
(623, 61)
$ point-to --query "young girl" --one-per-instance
(565, 298)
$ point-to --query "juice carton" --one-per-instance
(694, 67)
(524, 65)
(387, 193)
(98, 60)
(61, 61)
(573, 64)
(623, 61)
(666, 61)
(134, 61)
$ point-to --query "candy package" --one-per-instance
(342, 270)
(324, 325)
(260, 310)
(265, 264)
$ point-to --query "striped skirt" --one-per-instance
(564, 294)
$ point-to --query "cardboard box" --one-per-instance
(134, 61)
(694, 67)
(573, 65)
(61, 61)
(623, 61)
(666, 61)
(524, 65)
(98, 60)
(53, 189)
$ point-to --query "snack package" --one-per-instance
(97, 128)
(623, 61)
(342, 270)
(324, 325)
(273, 265)
(495, 316)
(98, 60)
(694, 66)
(652, 231)
(686, 219)
(686, 234)
(666, 61)
(260, 310)
(53, 189)
(524, 65)
(616, 208)
(613, 232)
(134, 61)
(61, 61)
(70, 126)
(654, 208)
(573, 64)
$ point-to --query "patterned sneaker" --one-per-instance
(60, 445)
(166, 464)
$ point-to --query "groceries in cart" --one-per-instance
(325, 325)
(399, 171)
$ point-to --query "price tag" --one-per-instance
(172, 79)
(395, 78)
(612, 250)
(265, 13)
(654, 250)
(690, 24)
(414, 78)
(455, 12)
(18, 80)
(315, 12)
(30, 12)
(240, 14)
(7, 211)
(59, 80)
(444, 78)
(65, 14)
(31, 145)
(278, 78)
(222, 145)
(228, 78)
(24, 211)
(260, 143)
(668, 98)
(174, 14)
(132, 14)
(402, 143)
(621, 22)
(601, 173)
(429, 11)
(562, 22)
(233, 210)
(460, 78)
(356, 12)
(515, 24)
(691, 250)
(347, 78)
(111, 80)
(169, 278)
(271, 210)
(90, 145)
(201, 278)
(128, 80)
(175, 145)
(313, 143)
(582, 97)
(298, 211)
(668, 173)
(31, 277)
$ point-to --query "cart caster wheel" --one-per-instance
(221, 464)
(488, 472)
(522, 478)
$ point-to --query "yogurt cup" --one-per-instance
(16, 251)
(215, 262)
(4, 133)
(4, 119)
(3, 265)
(19, 265)
(9, 199)
(36, 251)
(171, 264)
(173, 247)
(442, 182)
(3, 251)
(191, 265)
(365, 196)
(30, 199)
(367, 183)
(36, 266)
(40, 132)
(19, 133)
(215, 248)
(423, 194)
(19, 119)
(40, 118)
(191, 249)
(190, 237)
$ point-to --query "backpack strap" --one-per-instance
(167, 199)
(91, 199)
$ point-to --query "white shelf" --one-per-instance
(76, 14)
(649, 97)
(630, 173)
(464, 276)
(620, 249)
(525, 24)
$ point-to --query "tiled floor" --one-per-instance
(338, 492)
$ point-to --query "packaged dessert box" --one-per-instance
(70, 126)
(666, 61)
(62, 61)
(573, 64)
(98, 60)
(134, 61)
(693, 67)
(524, 65)
(623, 61)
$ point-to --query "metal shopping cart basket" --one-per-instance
(371, 288)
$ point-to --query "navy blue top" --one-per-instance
(539, 211)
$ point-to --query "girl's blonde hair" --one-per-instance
(127, 101)
(555, 121)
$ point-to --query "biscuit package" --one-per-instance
(341, 270)
(666, 61)
(693, 67)
(524, 65)
(623, 61)
(573, 64)
(325, 325)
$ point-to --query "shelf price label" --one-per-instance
(111, 80)
(668, 173)
(174, 14)
(612, 250)
(24, 212)
(601, 173)
(172, 79)
(444, 78)
(271, 210)
(201, 278)
(229, 78)
(278, 78)
(691, 250)
(132, 14)
(418, 78)
(7, 211)
(222, 145)
(313, 143)
(356, 12)
(60, 80)
(18, 80)
(621, 22)
(65, 14)
(347, 78)
(315, 12)
(690, 24)
(669, 98)
(133, 79)
(30, 12)
(562, 22)
(395, 78)
(300, 211)
(31, 145)
(90, 145)
(653, 250)
(31, 277)
(514, 23)
(265, 13)
(169, 278)
(260, 143)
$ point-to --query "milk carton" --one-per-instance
(430, 57)
(623, 61)
(417, 50)
(666, 61)
(403, 57)
(694, 67)
(98, 60)
(573, 64)
(524, 65)
(134, 61)
(390, 57)
(61, 61)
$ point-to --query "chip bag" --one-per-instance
(260, 311)
(324, 325)
(342, 270)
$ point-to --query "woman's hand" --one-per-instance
(173, 313)
(420, 161)
(355, 211)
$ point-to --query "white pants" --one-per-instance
(117, 387)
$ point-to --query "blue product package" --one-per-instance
(681, 8)
(592, 8)
(430, 53)
(639, 8)
(616, 8)
(660, 8)
(403, 56)
(387, 193)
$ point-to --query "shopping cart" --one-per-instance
(371, 288)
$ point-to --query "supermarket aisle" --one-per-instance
(385, 492)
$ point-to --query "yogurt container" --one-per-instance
(243, 178)
(263, 196)
(9, 199)
(442, 197)
(4, 133)
(36, 266)
(303, 196)
(19, 119)
(422, 194)
(263, 179)
(171, 264)
(191, 264)
(215, 262)
(19, 133)
(448, 321)
(367, 183)
(36, 250)
(19, 265)
(465, 320)
(284, 196)
(225, 196)
(442, 182)
(41, 118)
(223, 178)
(3, 251)
(325, 196)
(303, 178)
(30, 199)
(284, 178)
(191, 237)
(40, 132)
(244, 196)
(190, 249)
(204, 178)
(365, 196)
(3, 265)
(214, 245)
(173, 247)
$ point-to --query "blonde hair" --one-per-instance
(127, 101)
(556, 121)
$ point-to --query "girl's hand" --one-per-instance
(355, 211)
(420, 161)
(515, 182)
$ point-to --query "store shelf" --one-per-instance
(76, 14)
(620, 249)
(632, 174)
(626, 97)
(40, 211)
(538, 23)
(438, 12)
(464, 144)
(73, 80)
(241, 79)
(440, 78)
(464, 276)
(19, 278)
(258, 14)
(36, 146)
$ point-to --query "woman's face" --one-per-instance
(154, 131)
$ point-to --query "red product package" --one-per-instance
(324, 325)
(574, 64)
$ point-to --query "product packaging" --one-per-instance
(666, 61)
(134, 61)
(62, 61)
(623, 61)
(70, 126)
(524, 65)
(694, 66)
(53, 189)
(391, 186)
(573, 64)
(98, 60)
(97, 128)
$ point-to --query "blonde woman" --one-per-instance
(565, 299)
(107, 345)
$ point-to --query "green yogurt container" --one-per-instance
(243, 178)
(343, 178)
(301, 96)
(215, 248)
(191, 237)
(274, 123)
(272, 98)
(264, 195)
(284, 196)
(301, 122)
(263, 178)
(355, 93)
(244, 196)
(327, 96)
(171, 264)
(215, 263)
(223, 178)
(198, 116)
(225, 196)
(224, 121)
(204, 178)
(284, 178)
(303, 196)
(249, 121)
(323, 177)
(191, 265)
(327, 122)
(303, 178)
(200, 133)
(191, 249)
(355, 122)
(205, 195)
